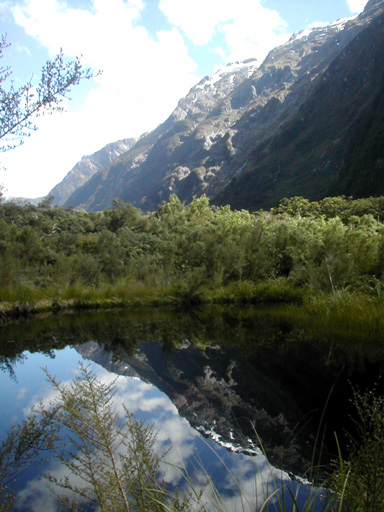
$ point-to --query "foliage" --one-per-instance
(341, 206)
(329, 255)
(113, 459)
(19, 106)
(190, 253)
(359, 480)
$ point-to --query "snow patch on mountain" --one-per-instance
(315, 28)
(249, 66)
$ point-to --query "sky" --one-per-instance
(151, 52)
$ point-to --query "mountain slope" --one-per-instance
(334, 144)
(250, 135)
(87, 167)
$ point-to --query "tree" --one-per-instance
(19, 106)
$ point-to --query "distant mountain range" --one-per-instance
(307, 121)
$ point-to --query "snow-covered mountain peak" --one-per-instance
(316, 29)
(205, 94)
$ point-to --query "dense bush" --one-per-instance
(327, 245)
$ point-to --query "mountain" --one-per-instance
(87, 167)
(334, 144)
(307, 121)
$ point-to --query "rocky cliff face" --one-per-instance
(87, 167)
(251, 135)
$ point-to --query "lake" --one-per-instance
(224, 388)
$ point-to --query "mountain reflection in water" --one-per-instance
(211, 380)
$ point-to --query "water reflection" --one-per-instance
(206, 380)
(187, 448)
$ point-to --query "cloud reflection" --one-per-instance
(247, 483)
(38, 496)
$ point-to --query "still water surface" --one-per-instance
(206, 379)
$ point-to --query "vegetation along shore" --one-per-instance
(326, 257)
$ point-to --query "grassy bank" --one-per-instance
(341, 312)
(25, 300)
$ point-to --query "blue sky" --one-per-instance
(151, 53)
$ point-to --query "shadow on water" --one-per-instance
(230, 372)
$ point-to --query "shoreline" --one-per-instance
(341, 311)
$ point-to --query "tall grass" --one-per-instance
(133, 293)
(271, 291)
(346, 313)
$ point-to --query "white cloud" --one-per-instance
(198, 18)
(142, 81)
(249, 29)
(356, 6)
(24, 49)
(21, 394)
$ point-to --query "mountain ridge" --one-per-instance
(87, 167)
(224, 138)
(313, 152)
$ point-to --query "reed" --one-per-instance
(272, 291)
(346, 314)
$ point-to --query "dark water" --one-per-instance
(217, 383)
